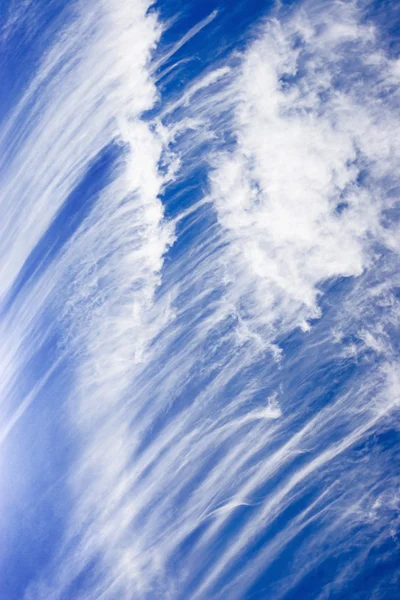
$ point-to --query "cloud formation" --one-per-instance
(232, 365)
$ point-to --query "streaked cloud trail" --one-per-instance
(218, 264)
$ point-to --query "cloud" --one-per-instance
(185, 402)
(311, 123)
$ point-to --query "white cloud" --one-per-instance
(174, 394)
(289, 195)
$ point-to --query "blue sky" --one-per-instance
(199, 267)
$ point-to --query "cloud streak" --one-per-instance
(233, 365)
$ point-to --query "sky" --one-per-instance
(199, 300)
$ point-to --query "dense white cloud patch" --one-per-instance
(301, 195)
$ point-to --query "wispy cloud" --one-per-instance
(187, 402)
